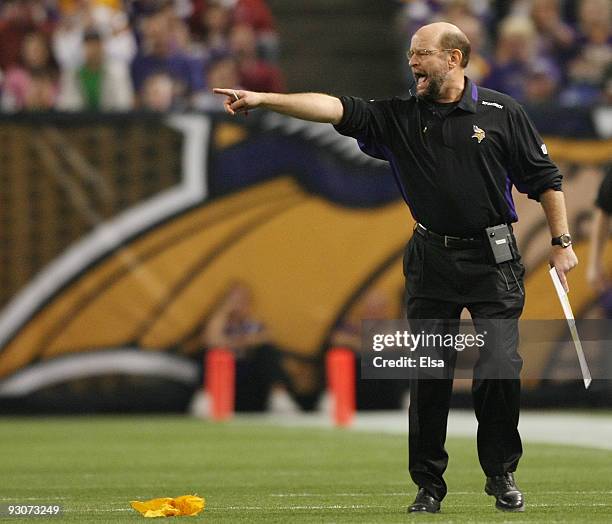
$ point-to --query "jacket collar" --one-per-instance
(469, 98)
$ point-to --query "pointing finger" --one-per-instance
(219, 91)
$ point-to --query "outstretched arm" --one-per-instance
(562, 259)
(316, 107)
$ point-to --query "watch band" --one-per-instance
(564, 240)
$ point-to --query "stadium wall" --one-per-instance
(121, 233)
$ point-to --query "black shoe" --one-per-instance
(507, 496)
(424, 503)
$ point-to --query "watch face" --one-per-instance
(564, 240)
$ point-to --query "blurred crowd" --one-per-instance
(537, 51)
(117, 55)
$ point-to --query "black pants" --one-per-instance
(440, 282)
(256, 373)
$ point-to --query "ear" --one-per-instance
(454, 58)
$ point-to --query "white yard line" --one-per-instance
(42, 499)
(301, 507)
(535, 426)
(403, 494)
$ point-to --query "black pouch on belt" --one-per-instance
(500, 242)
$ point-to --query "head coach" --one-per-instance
(455, 150)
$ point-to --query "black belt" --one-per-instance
(448, 241)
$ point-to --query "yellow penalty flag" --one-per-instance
(185, 506)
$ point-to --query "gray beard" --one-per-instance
(432, 94)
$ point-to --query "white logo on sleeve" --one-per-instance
(494, 104)
(544, 150)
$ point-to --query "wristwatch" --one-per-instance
(564, 240)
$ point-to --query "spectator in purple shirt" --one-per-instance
(555, 38)
(516, 47)
(159, 54)
(594, 53)
(158, 93)
(542, 82)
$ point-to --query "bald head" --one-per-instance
(447, 36)
(438, 56)
(437, 28)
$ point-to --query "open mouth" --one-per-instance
(421, 80)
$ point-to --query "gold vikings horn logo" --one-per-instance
(479, 134)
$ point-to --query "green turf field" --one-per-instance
(251, 472)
